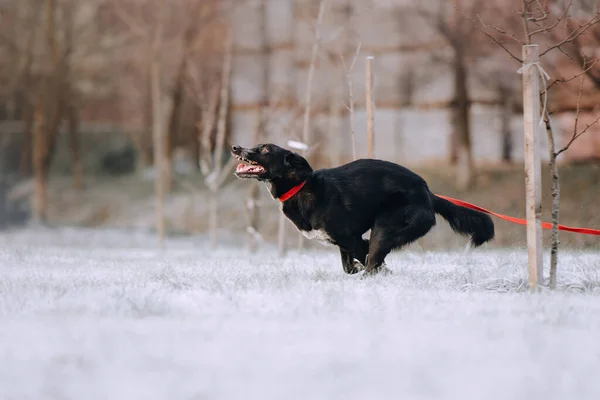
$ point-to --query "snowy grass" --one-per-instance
(104, 315)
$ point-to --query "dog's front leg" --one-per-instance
(348, 263)
(354, 254)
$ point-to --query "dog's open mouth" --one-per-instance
(248, 167)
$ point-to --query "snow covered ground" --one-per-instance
(104, 315)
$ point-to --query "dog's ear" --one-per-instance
(290, 159)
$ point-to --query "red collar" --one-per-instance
(290, 193)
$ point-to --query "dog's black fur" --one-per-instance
(345, 202)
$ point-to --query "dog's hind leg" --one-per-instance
(395, 229)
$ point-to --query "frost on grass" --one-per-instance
(104, 315)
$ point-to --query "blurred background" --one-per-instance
(113, 109)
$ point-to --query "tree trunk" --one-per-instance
(158, 125)
(223, 104)
(194, 142)
(334, 129)
(453, 143)
(26, 161)
(348, 48)
(174, 122)
(253, 193)
(213, 211)
(205, 130)
(306, 136)
(76, 162)
(555, 217)
(144, 139)
(555, 204)
(39, 167)
(252, 206)
(215, 179)
(507, 141)
(158, 145)
(461, 123)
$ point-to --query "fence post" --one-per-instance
(370, 107)
(533, 173)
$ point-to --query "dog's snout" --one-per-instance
(236, 149)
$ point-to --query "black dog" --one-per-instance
(338, 205)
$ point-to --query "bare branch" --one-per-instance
(566, 54)
(209, 112)
(580, 30)
(555, 24)
(356, 53)
(542, 11)
(576, 134)
(525, 6)
(131, 23)
(225, 171)
(311, 71)
(560, 80)
(350, 106)
(498, 29)
(499, 43)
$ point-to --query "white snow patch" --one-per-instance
(104, 315)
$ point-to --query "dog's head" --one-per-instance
(268, 162)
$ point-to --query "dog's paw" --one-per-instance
(358, 265)
(379, 271)
(353, 269)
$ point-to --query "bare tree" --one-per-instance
(252, 202)
(306, 137)
(554, 153)
(49, 108)
(541, 22)
(59, 56)
(72, 112)
(350, 106)
(18, 52)
(158, 125)
(452, 22)
(493, 73)
(75, 143)
(214, 101)
(155, 29)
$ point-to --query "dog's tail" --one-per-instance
(467, 222)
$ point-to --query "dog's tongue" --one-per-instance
(241, 167)
(248, 168)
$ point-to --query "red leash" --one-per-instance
(545, 225)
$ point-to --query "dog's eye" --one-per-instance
(264, 150)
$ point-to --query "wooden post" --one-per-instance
(281, 235)
(533, 174)
(158, 147)
(370, 107)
